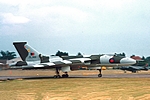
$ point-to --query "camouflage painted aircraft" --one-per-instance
(134, 69)
(32, 59)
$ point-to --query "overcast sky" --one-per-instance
(86, 26)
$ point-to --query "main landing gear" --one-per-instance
(100, 73)
(65, 75)
(57, 73)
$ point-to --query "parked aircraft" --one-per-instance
(32, 59)
(134, 69)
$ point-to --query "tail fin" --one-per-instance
(26, 52)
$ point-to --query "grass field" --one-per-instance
(76, 88)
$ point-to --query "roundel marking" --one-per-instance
(111, 60)
(32, 54)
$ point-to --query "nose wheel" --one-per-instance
(100, 73)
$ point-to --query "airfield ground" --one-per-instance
(82, 85)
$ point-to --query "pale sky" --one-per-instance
(86, 26)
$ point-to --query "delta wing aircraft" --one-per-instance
(32, 59)
(134, 69)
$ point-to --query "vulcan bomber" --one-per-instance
(32, 59)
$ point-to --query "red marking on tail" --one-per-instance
(32, 54)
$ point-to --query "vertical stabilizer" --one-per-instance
(26, 52)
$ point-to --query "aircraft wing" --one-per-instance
(138, 68)
(74, 62)
(109, 65)
(134, 67)
(55, 64)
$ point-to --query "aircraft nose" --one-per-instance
(127, 60)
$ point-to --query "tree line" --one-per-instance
(7, 55)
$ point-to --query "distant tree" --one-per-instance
(143, 62)
(148, 59)
(79, 54)
(143, 58)
(121, 54)
(7, 55)
(59, 53)
(132, 56)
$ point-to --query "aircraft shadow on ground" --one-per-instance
(4, 78)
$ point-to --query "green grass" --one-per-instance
(76, 89)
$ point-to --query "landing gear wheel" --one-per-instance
(134, 71)
(57, 73)
(56, 76)
(65, 76)
(99, 75)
